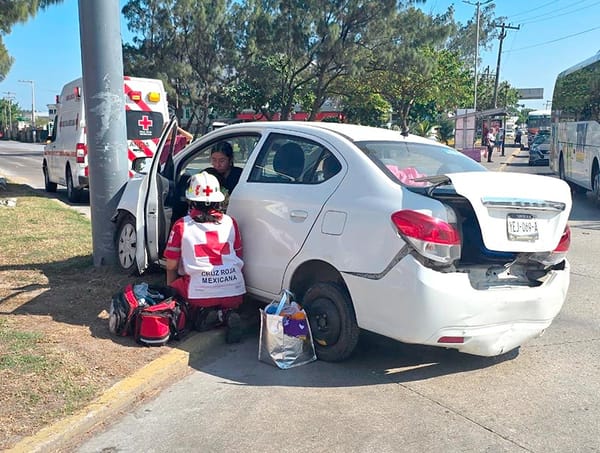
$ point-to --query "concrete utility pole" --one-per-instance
(9, 97)
(102, 63)
(32, 106)
(504, 27)
(478, 5)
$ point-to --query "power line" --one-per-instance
(553, 40)
(552, 14)
(534, 11)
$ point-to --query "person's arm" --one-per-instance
(186, 134)
(172, 266)
(172, 251)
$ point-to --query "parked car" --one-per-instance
(375, 230)
(539, 150)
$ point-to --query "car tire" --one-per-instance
(73, 195)
(49, 186)
(332, 321)
(125, 244)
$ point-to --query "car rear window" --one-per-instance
(411, 163)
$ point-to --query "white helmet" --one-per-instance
(204, 187)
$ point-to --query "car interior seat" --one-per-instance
(289, 161)
(331, 167)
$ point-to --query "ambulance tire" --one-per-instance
(73, 195)
(48, 185)
(126, 242)
(332, 321)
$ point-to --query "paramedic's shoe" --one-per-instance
(206, 319)
(233, 324)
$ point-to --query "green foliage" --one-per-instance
(13, 12)
(445, 130)
(274, 57)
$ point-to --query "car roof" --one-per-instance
(353, 132)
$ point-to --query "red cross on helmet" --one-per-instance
(204, 187)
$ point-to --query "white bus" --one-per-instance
(538, 120)
(575, 144)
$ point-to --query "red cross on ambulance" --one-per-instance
(145, 123)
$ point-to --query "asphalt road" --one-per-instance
(22, 164)
(394, 397)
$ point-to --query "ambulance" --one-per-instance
(65, 159)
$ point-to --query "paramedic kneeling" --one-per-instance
(204, 259)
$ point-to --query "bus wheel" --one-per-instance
(561, 168)
(596, 186)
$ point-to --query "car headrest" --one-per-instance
(289, 160)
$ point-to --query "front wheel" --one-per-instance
(332, 321)
(126, 244)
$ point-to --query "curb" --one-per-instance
(122, 396)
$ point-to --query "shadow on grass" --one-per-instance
(73, 292)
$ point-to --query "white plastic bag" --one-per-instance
(285, 337)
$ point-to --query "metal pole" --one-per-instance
(476, 57)
(102, 64)
(478, 4)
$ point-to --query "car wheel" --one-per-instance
(73, 194)
(48, 185)
(332, 321)
(126, 244)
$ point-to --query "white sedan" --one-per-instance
(373, 230)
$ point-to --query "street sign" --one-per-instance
(531, 93)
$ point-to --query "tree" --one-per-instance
(404, 65)
(13, 12)
(295, 51)
(186, 43)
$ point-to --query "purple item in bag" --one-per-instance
(295, 327)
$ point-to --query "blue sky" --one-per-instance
(553, 35)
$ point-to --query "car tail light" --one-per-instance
(559, 253)
(431, 237)
(452, 340)
(80, 152)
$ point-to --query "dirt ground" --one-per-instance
(73, 357)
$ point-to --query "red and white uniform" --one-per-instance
(210, 261)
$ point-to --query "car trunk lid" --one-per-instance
(516, 212)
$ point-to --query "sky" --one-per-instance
(553, 35)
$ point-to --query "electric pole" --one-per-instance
(10, 95)
(504, 27)
(478, 5)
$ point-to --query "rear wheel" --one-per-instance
(561, 168)
(48, 185)
(74, 195)
(332, 321)
(126, 244)
(596, 185)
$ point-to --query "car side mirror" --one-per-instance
(141, 164)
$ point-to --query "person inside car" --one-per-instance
(204, 259)
(221, 159)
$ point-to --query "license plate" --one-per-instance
(521, 227)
